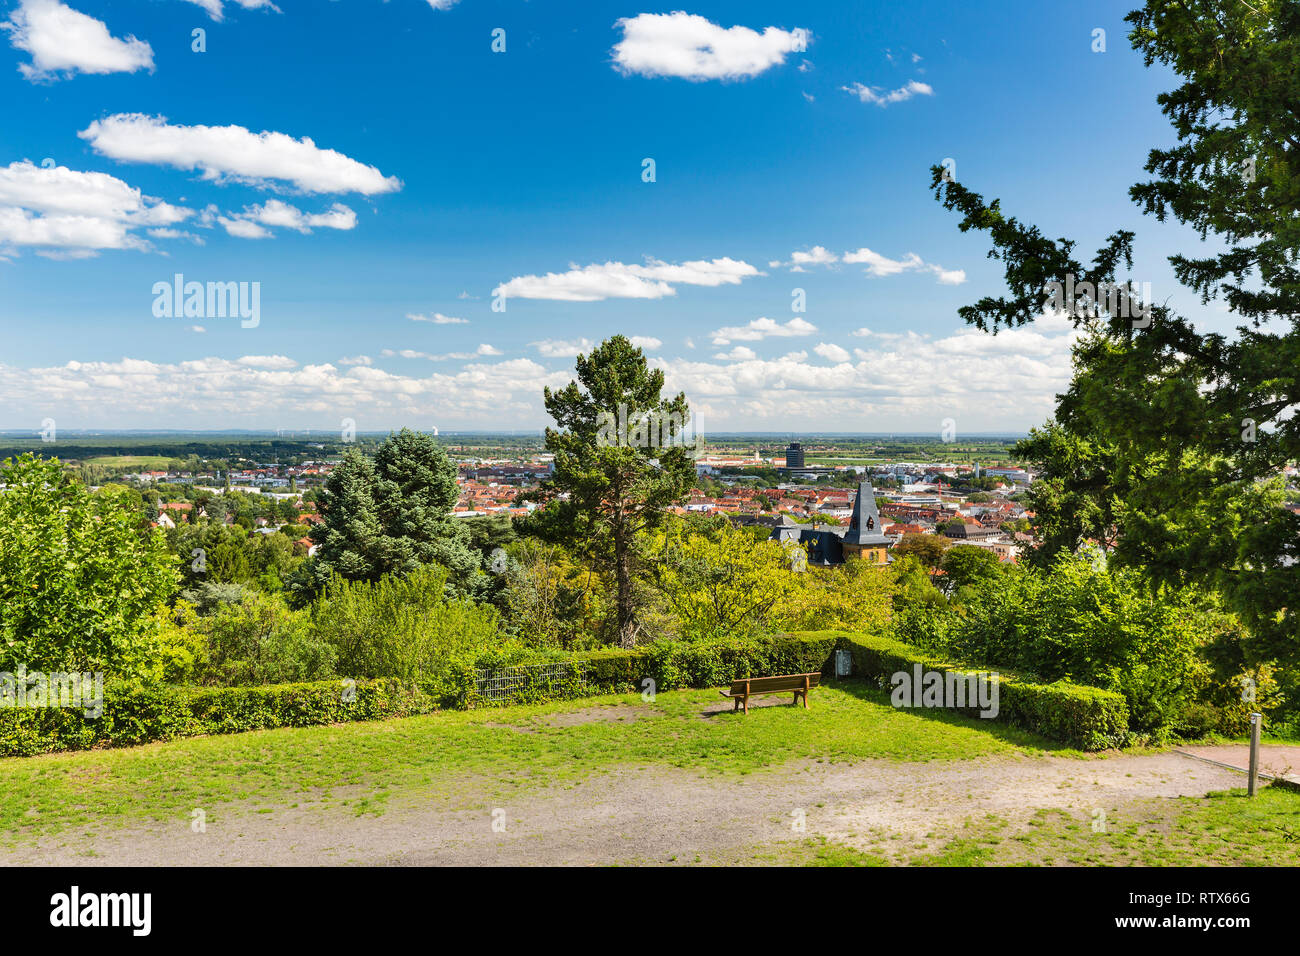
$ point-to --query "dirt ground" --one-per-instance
(649, 816)
(1280, 761)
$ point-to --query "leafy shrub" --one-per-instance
(1083, 622)
(404, 628)
(79, 579)
(260, 641)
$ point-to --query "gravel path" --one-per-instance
(658, 815)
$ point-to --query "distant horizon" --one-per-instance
(306, 433)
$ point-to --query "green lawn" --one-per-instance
(484, 752)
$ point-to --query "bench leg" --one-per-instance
(736, 704)
(746, 705)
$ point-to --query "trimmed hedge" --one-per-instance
(1075, 714)
(707, 664)
(166, 713)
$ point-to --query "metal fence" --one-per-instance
(529, 682)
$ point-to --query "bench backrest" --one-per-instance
(758, 685)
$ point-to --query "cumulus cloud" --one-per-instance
(816, 256)
(646, 342)
(69, 212)
(252, 223)
(831, 352)
(690, 47)
(244, 228)
(255, 391)
(616, 280)
(882, 97)
(557, 348)
(1006, 382)
(235, 154)
(63, 41)
(760, 329)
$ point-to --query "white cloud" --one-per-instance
(1007, 381)
(356, 360)
(73, 213)
(437, 318)
(689, 46)
(556, 348)
(279, 214)
(615, 280)
(882, 266)
(741, 353)
(63, 41)
(224, 393)
(216, 10)
(646, 342)
(235, 154)
(267, 361)
(882, 98)
(831, 352)
(482, 350)
(244, 228)
(816, 256)
(760, 329)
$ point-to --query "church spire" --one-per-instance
(864, 526)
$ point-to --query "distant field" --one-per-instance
(153, 462)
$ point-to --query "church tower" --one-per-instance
(865, 538)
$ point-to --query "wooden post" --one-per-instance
(1255, 721)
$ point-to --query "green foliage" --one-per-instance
(1169, 441)
(79, 579)
(965, 566)
(617, 485)
(1084, 622)
(551, 599)
(720, 583)
(258, 640)
(928, 548)
(404, 628)
(392, 514)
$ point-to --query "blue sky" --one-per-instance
(390, 164)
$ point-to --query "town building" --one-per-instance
(863, 538)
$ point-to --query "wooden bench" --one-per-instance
(742, 690)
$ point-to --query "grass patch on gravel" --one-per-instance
(487, 751)
(1225, 828)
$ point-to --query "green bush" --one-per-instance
(1082, 622)
(1085, 717)
(142, 715)
(405, 628)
